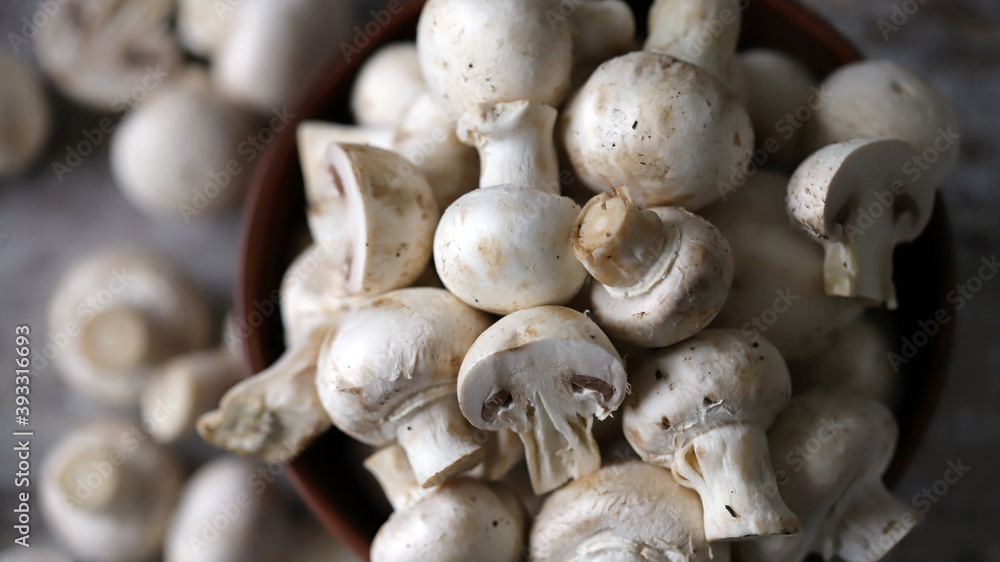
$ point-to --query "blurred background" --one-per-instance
(69, 202)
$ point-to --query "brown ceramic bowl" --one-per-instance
(328, 475)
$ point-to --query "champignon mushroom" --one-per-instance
(185, 388)
(544, 372)
(392, 470)
(481, 51)
(627, 512)
(313, 138)
(662, 274)
(671, 136)
(601, 29)
(25, 116)
(462, 520)
(777, 288)
(273, 49)
(314, 293)
(221, 516)
(701, 32)
(107, 492)
(831, 450)
(276, 413)
(775, 88)
(851, 198)
(425, 135)
(121, 314)
(389, 374)
(881, 99)
(179, 153)
(108, 55)
(374, 209)
(202, 25)
(857, 359)
(701, 409)
(388, 82)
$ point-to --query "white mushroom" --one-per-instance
(481, 51)
(314, 293)
(857, 359)
(881, 99)
(702, 32)
(222, 516)
(313, 138)
(425, 135)
(121, 314)
(831, 450)
(185, 388)
(701, 409)
(276, 413)
(182, 152)
(202, 25)
(392, 470)
(274, 49)
(662, 274)
(601, 29)
(376, 210)
(108, 55)
(777, 288)
(672, 135)
(544, 372)
(629, 512)
(25, 116)
(107, 492)
(34, 553)
(388, 82)
(775, 87)
(852, 198)
(389, 374)
(462, 520)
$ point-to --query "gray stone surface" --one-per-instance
(46, 223)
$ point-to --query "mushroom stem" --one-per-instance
(871, 523)
(515, 143)
(438, 442)
(77, 475)
(392, 469)
(861, 264)
(557, 449)
(119, 338)
(619, 244)
(187, 388)
(731, 470)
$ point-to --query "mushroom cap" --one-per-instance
(314, 293)
(178, 154)
(393, 355)
(425, 135)
(108, 55)
(195, 533)
(139, 479)
(463, 520)
(507, 248)
(148, 292)
(547, 350)
(482, 51)
(881, 99)
(377, 210)
(715, 378)
(840, 177)
(25, 116)
(386, 85)
(684, 300)
(670, 136)
(632, 506)
(202, 25)
(313, 138)
(775, 263)
(771, 85)
(601, 29)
